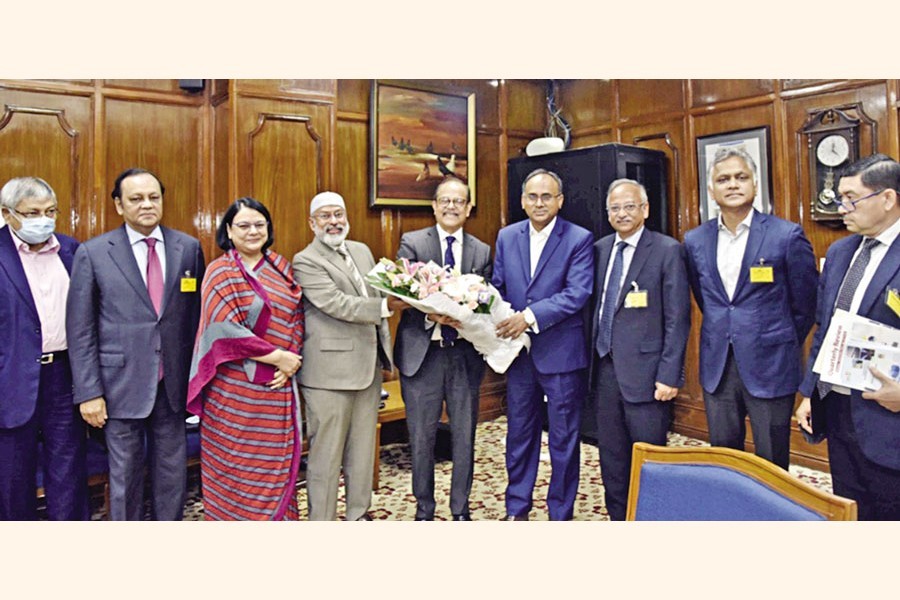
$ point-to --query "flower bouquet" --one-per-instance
(476, 304)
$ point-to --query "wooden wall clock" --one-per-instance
(832, 143)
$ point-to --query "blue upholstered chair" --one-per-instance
(721, 484)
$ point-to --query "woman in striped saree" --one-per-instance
(242, 375)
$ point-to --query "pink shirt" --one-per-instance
(49, 283)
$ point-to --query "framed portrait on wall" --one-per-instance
(756, 143)
(419, 135)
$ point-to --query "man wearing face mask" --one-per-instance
(35, 377)
(347, 342)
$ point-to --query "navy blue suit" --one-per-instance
(556, 364)
(758, 333)
(648, 345)
(867, 427)
(35, 400)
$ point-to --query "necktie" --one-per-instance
(154, 275)
(155, 284)
(848, 290)
(449, 334)
(610, 299)
(357, 278)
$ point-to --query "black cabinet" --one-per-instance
(586, 174)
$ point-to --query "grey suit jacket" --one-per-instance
(345, 333)
(648, 344)
(115, 336)
(425, 245)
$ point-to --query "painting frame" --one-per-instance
(435, 127)
(756, 142)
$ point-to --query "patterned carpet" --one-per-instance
(393, 500)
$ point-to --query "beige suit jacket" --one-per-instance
(345, 335)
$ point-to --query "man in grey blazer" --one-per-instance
(641, 322)
(437, 366)
(347, 343)
(131, 319)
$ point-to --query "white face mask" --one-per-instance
(35, 231)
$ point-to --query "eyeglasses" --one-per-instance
(545, 198)
(338, 215)
(850, 205)
(34, 214)
(457, 202)
(244, 227)
(629, 208)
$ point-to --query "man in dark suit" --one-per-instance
(641, 322)
(437, 366)
(35, 378)
(754, 278)
(862, 276)
(131, 319)
(544, 268)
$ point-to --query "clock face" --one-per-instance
(833, 150)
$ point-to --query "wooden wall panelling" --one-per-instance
(586, 103)
(305, 89)
(154, 85)
(485, 220)
(711, 91)
(526, 105)
(873, 99)
(668, 137)
(164, 138)
(639, 98)
(223, 185)
(49, 136)
(283, 160)
(605, 136)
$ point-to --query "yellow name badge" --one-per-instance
(636, 299)
(188, 284)
(761, 275)
(893, 301)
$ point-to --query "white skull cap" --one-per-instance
(326, 199)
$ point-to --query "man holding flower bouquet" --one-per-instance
(544, 267)
(436, 365)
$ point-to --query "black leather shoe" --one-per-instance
(462, 517)
(423, 519)
(365, 517)
(515, 518)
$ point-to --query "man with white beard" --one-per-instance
(347, 343)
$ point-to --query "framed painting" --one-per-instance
(756, 143)
(419, 136)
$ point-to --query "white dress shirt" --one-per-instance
(456, 249)
(730, 252)
(536, 242)
(139, 248)
(886, 238)
(627, 255)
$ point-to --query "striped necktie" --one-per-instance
(610, 299)
(357, 278)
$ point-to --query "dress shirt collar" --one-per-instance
(543, 233)
(742, 226)
(457, 236)
(134, 237)
(632, 240)
(52, 244)
(890, 234)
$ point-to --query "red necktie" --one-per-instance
(154, 283)
(154, 275)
